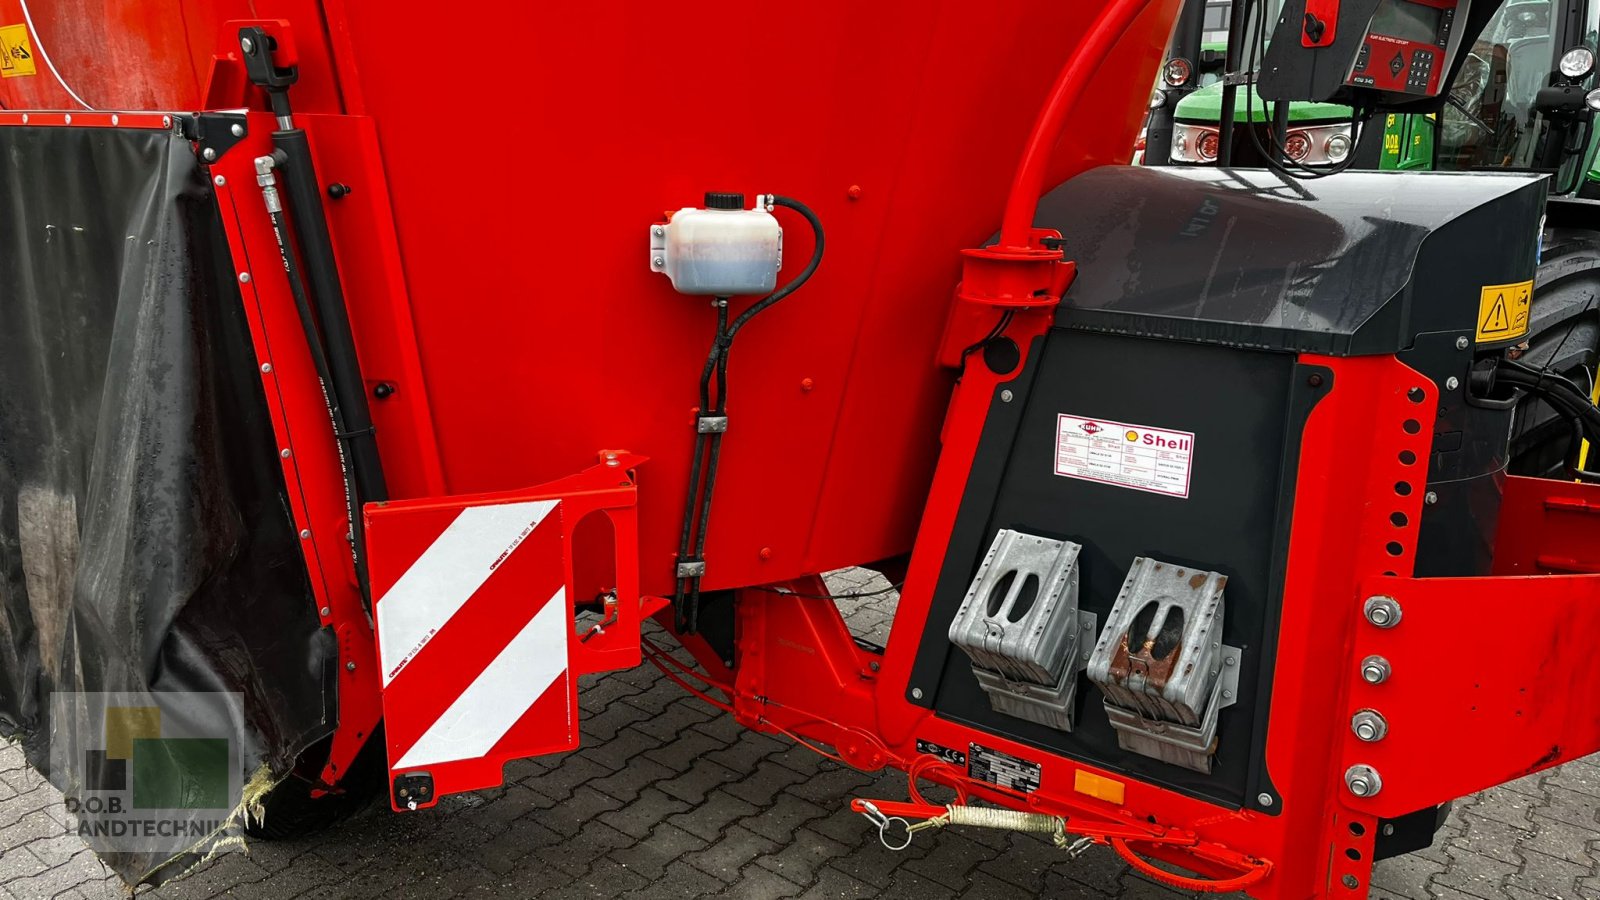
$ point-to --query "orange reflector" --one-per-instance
(1100, 788)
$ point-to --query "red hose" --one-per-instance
(1184, 882)
(939, 772)
(1026, 188)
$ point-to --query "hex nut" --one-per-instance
(1382, 610)
(1375, 670)
(1369, 725)
(1363, 781)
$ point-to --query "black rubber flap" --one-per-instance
(145, 541)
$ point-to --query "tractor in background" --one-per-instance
(1515, 106)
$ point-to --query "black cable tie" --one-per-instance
(370, 429)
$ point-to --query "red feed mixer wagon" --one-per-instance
(390, 366)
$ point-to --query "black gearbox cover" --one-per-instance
(1351, 265)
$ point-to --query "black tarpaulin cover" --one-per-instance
(145, 542)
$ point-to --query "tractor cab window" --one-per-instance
(1490, 120)
(1214, 24)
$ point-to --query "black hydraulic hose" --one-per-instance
(687, 537)
(327, 295)
(322, 310)
(1564, 396)
(693, 612)
(804, 276)
(686, 597)
(1280, 126)
(319, 358)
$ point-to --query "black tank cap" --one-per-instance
(715, 200)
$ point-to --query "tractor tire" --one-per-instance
(290, 811)
(1564, 333)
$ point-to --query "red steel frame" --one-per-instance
(1516, 694)
(1519, 695)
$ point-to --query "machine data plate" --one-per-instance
(949, 754)
(1157, 460)
(1003, 769)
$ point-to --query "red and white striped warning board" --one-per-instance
(474, 627)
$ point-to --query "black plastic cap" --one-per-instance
(715, 200)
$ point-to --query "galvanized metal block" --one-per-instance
(1020, 626)
(1160, 662)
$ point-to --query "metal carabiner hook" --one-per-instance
(876, 817)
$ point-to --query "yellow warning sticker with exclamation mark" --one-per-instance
(1503, 311)
(16, 52)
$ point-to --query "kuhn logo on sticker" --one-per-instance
(1157, 460)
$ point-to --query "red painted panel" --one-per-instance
(522, 205)
(151, 54)
(526, 148)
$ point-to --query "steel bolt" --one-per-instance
(24, 118)
(305, 533)
(210, 154)
(266, 367)
(1369, 725)
(1430, 498)
(1462, 343)
(326, 612)
(219, 181)
(1375, 670)
(1452, 383)
(247, 45)
(1264, 799)
(351, 665)
(658, 262)
(67, 119)
(1382, 611)
(916, 693)
(874, 665)
(244, 277)
(658, 231)
(1363, 781)
(284, 453)
(115, 119)
(166, 121)
(236, 130)
(1005, 396)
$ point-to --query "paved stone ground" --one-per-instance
(668, 799)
